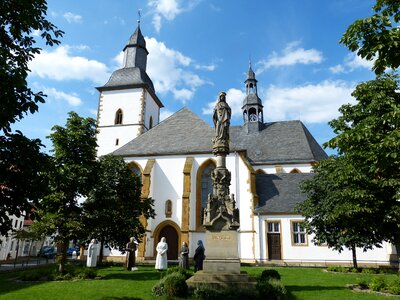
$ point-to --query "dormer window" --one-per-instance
(118, 117)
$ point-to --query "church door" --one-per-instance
(171, 236)
(274, 240)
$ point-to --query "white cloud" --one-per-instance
(72, 18)
(291, 55)
(60, 64)
(234, 98)
(168, 10)
(337, 69)
(210, 67)
(171, 71)
(71, 99)
(165, 113)
(312, 103)
(352, 62)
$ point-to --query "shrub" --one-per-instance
(212, 293)
(269, 274)
(370, 271)
(377, 284)
(86, 273)
(175, 285)
(271, 289)
(172, 285)
(362, 284)
(338, 269)
(394, 286)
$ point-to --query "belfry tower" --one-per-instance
(128, 104)
(252, 105)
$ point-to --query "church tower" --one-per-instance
(128, 104)
(252, 105)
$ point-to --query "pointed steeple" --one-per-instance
(135, 52)
(252, 105)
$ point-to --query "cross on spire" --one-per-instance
(139, 16)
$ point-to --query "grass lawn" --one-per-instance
(301, 283)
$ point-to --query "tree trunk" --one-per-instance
(101, 253)
(353, 251)
(62, 257)
(397, 246)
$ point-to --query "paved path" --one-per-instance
(12, 266)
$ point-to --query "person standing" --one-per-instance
(92, 254)
(184, 256)
(199, 256)
(162, 259)
(131, 254)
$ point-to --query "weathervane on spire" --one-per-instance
(139, 16)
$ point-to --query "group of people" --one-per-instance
(162, 261)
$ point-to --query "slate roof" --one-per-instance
(186, 133)
(128, 77)
(137, 39)
(280, 193)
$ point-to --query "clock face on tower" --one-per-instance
(253, 118)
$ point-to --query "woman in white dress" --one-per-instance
(161, 259)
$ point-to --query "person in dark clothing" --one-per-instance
(199, 256)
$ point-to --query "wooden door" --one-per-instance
(274, 246)
(171, 236)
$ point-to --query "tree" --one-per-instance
(23, 179)
(113, 207)
(18, 20)
(377, 37)
(21, 163)
(335, 209)
(72, 176)
(368, 135)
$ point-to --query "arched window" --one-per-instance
(253, 117)
(204, 187)
(151, 122)
(118, 117)
(135, 169)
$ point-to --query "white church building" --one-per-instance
(267, 162)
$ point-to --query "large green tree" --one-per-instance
(336, 209)
(366, 173)
(113, 207)
(21, 163)
(377, 37)
(71, 178)
(368, 135)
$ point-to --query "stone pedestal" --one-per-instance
(221, 268)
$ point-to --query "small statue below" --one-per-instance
(184, 256)
(92, 254)
(131, 254)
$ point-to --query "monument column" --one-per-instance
(221, 217)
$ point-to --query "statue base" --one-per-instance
(221, 268)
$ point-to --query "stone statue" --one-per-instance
(221, 118)
(131, 254)
(92, 254)
(221, 212)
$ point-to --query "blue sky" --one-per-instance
(199, 48)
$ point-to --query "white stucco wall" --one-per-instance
(311, 253)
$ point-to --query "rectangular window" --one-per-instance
(273, 227)
(16, 223)
(299, 233)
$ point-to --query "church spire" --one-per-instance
(252, 105)
(135, 52)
